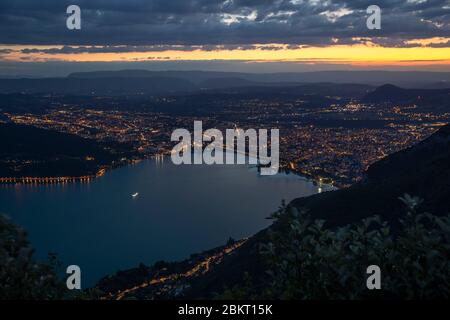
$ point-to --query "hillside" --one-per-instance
(32, 152)
(422, 170)
(394, 94)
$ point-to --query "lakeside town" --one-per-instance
(331, 143)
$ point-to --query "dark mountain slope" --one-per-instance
(27, 151)
(422, 170)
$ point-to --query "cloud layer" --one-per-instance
(129, 25)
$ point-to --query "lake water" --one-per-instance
(179, 210)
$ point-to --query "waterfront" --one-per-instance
(180, 210)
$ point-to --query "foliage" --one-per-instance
(309, 261)
(20, 276)
(239, 292)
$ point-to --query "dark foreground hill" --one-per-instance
(422, 170)
(27, 151)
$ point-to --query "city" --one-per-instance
(333, 143)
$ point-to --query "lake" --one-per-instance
(179, 210)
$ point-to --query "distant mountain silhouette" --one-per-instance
(97, 86)
(143, 83)
(409, 79)
(126, 82)
(392, 93)
(114, 74)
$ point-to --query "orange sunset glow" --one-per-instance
(360, 54)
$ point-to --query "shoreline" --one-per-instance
(317, 181)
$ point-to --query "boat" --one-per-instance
(135, 195)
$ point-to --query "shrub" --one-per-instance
(308, 261)
(20, 276)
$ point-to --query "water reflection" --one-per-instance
(180, 210)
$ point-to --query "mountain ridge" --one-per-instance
(396, 94)
(372, 77)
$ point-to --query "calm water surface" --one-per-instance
(179, 210)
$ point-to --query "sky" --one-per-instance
(225, 35)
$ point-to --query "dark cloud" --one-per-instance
(440, 45)
(155, 48)
(140, 23)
